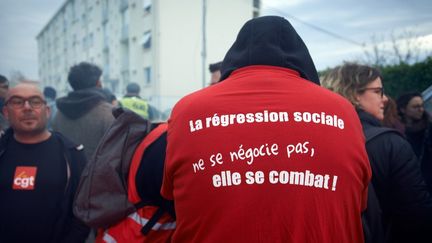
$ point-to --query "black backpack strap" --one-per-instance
(153, 220)
(150, 172)
(372, 132)
(163, 207)
(140, 204)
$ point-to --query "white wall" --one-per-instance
(223, 25)
(175, 53)
(180, 41)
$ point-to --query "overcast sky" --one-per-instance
(354, 23)
(351, 23)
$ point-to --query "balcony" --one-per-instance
(106, 71)
(124, 37)
(123, 5)
(105, 15)
(257, 4)
(105, 47)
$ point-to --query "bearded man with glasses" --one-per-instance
(39, 173)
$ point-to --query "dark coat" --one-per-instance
(84, 116)
(402, 193)
(421, 142)
(68, 227)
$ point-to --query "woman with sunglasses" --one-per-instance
(403, 198)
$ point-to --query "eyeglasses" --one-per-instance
(19, 102)
(378, 90)
(417, 107)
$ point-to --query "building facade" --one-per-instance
(163, 45)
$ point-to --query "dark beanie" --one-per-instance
(133, 88)
(50, 92)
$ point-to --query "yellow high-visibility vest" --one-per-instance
(136, 105)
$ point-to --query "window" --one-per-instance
(255, 14)
(56, 61)
(124, 57)
(74, 39)
(145, 41)
(105, 37)
(123, 5)
(147, 75)
(90, 40)
(147, 5)
(256, 4)
(65, 20)
(55, 43)
(106, 65)
(125, 76)
(84, 43)
(256, 8)
(124, 37)
(84, 19)
(73, 11)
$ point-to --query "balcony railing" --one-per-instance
(124, 37)
(123, 5)
(104, 15)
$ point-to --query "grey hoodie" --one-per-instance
(83, 116)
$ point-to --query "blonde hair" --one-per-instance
(349, 80)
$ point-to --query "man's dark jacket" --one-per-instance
(68, 228)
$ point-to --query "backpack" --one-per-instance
(102, 198)
(372, 217)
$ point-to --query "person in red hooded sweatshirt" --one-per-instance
(266, 154)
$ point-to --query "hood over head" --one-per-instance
(269, 40)
(78, 103)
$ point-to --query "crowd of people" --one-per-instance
(345, 162)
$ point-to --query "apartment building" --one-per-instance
(163, 45)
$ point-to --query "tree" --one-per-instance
(400, 78)
(406, 47)
(403, 77)
(404, 61)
